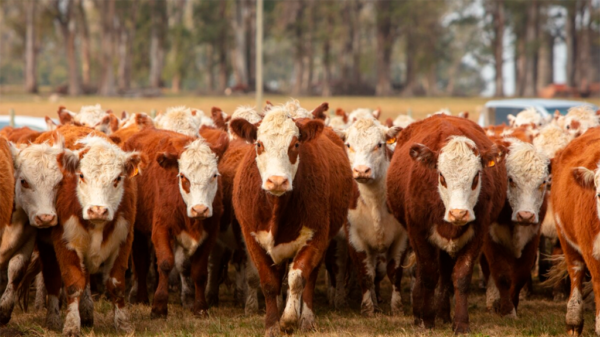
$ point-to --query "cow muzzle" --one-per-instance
(277, 185)
(362, 173)
(458, 217)
(97, 213)
(45, 220)
(526, 218)
(200, 212)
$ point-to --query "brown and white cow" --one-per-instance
(96, 207)
(372, 229)
(576, 205)
(179, 209)
(7, 184)
(446, 182)
(512, 244)
(23, 135)
(291, 197)
(92, 116)
(579, 119)
(38, 176)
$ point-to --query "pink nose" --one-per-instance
(45, 220)
(362, 172)
(525, 217)
(458, 215)
(98, 213)
(200, 212)
(277, 184)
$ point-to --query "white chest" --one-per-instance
(454, 245)
(282, 251)
(189, 243)
(91, 246)
(515, 242)
(372, 227)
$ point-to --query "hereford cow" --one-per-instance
(446, 183)
(38, 176)
(372, 229)
(92, 116)
(179, 209)
(96, 207)
(7, 184)
(579, 119)
(23, 135)
(363, 113)
(291, 197)
(512, 244)
(576, 205)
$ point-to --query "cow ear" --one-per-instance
(511, 119)
(68, 161)
(50, 125)
(64, 115)
(244, 129)
(389, 122)
(424, 155)
(391, 133)
(463, 114)
(377, 113)
(493, 156)
(584, 177)
(310, 130)
(134, 163)
(217, 118)
(342, 113)
(167, 159)
(114, 123)
(14, 152)
(221, 145)
(319, 112)
(115, 139)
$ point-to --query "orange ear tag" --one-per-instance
(135, 173)
(391, 140)
(492, 164)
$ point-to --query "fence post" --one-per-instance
(12, 117)
(153, 113)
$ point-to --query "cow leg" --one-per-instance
(444, 287)
(200, 276)
(331, 267)
(396, 256)
(484, 267)
(40, 292)
(253, 284)
(575, 305)
(17, 266)
(141, 264)
(380, 273)
(115, 286)
(214, 274)
(595, 271)
(427, 274)
(86, 306)
(241, 288)
(365, 269)
(75, 280)
(164, 261)
(498, 295)
(183, 264)
(522, 270)
(52, 282)
(307, 319)
(461, 277)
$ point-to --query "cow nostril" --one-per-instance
(277, 182)
(525, 216)
(459, 214)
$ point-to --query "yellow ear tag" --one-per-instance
(492, 164)
(391, 140)
(135, 172)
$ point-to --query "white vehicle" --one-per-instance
(496, 112)
(34, 123)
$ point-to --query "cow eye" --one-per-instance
(297, 144)
(475, 182)
(214, 176)
(257, 144)
(568, 127)
(379, 145)
(81, 176)
(348, 145)
(24, 183)
(118, 179)
(598, 195)
(443, 180)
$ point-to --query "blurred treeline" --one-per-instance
(312, 47)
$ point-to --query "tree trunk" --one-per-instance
(351, 50)
(222, 49)
(326, 68)
(586, 67)
(30, 50)
(251, 45)
(239, 24)
(107, 77)
(209, 66)
(157, 42)
(411, 74)
(531, 49)
(520, 64)
(126, 39)
(67, 25)
(571, 41)
(546, 61)
(498, 45)
(85, 46)
(299, 50)
(384, 48)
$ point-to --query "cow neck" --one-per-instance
(278, 206)
(373, 193)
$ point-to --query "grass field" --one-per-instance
(391, 106)
(538, 316)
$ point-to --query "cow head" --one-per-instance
(277, 141)
(101, 168)
(579, 119)
(198, 173)
(366, 145)
(459, 164)
(528, 177)
(37, 176)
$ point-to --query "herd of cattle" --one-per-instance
(277, 193)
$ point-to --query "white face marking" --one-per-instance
(366, 147)
(37, 176)
(274, 136)
(527, 117)
(361, 113)
(458, 167)
(527, 171)
(551, 139)
(296, 111)
(101, 176)
(579, 119)
(180, 119)
(403, 121)
(198, 172)
(90, 115)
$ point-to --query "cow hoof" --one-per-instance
(461, 328)
(445, 318)
(53, 322)
(574, 330)
(273, 331)
(559, 297)
(156, 314)
(201, 314)
(5, 317)
(288, 325)
(212, 298)
(71, 331)
(308, 325)
(121, 320)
